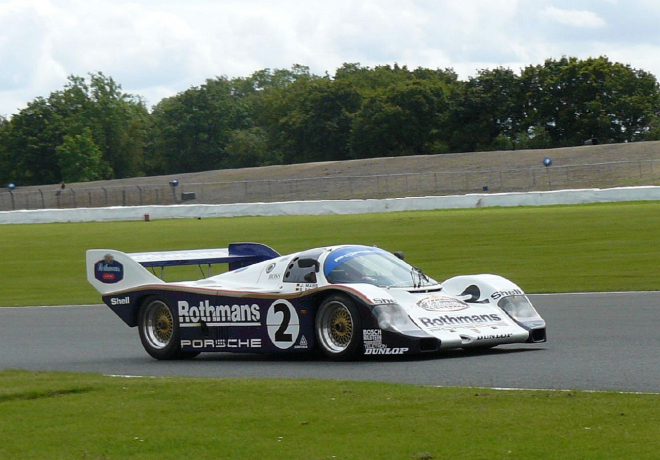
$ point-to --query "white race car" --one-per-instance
(347, 301)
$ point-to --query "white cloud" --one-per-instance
(156, 48)
(24, 48)
(573, 18)
(645, 57)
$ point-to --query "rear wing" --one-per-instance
(109, 270)
(237, 255)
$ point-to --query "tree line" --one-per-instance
(92, 130)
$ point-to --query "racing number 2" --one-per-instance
(280, 334)
(283, 324)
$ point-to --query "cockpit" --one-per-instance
(371, 265)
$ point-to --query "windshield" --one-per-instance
(363, 264)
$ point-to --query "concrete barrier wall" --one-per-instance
(647, 193)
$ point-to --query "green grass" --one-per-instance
(549, 249)
(604, 247)
(77, 416)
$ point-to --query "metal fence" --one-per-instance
(610, 174)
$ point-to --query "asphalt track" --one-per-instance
(596, 342)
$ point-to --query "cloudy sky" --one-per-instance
(157, 48)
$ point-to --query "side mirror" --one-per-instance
(399, 255)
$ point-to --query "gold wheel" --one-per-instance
(338, 328)
(341, 327)
(163, 324)
(158, 325)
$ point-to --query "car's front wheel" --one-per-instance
(159, 330)
(338, 328)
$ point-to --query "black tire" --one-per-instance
(159, 330)
(339, 328)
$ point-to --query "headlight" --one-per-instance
(519, 308)
(392, 317)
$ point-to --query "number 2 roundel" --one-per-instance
(283, 324)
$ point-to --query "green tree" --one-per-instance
(404, 119)
(29, 142)
(80, 159)
(293, 116)
(275, 111)
(575, 100)
(117, 123)
(652, 132)
(191, 130)
(368, 80)
(5, 169)
(536, 137)
(249, 148)
(268, 79)
(485, 110)
(317, 124)
(121, 125)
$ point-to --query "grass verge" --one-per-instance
(80, 416)
(550, 249)
(603, 247)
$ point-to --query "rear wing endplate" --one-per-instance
(110, 270)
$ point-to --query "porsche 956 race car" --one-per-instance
(347, 301)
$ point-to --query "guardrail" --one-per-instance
(331, 206)
(438, 183)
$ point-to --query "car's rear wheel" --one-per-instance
(159, 330)
(338, 328)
